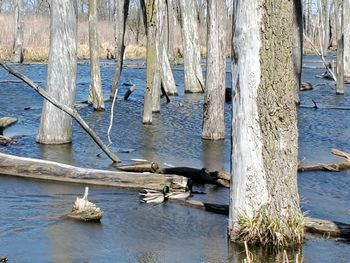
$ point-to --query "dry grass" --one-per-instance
(265, 231)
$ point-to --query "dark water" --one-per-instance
(30, 229)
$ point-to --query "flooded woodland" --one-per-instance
(30, 225)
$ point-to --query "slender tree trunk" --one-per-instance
(95, 92)
(55, 125)
(346, 28)
(340, 46)
(191, 50)
(264, 192)
(121, 10)
(17, 55)
(297, 44)
(151, 59)
(323, 9)
(214, 98)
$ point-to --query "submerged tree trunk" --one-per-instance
(264, 190)
(340, 47)
(346, 29)
(17, 55)
(55, 125)
(214, 99)
(190, 44)
(95, 92)
(121, 10)
(297, 42)
(151, 57)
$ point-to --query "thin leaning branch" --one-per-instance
(71, 112)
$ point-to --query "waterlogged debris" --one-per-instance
(84, 210)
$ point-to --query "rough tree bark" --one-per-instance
(55, 125)
(297, 41)
(324, 29)
(151, 58)
(95, 92)
(265, 136)
(17, 55)
(340, 46)
(121, 10)
(190, 44)
(214, 98)
(346, 29)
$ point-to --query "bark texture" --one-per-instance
(340, 46)
(324, 29)
(151, 58)
(190, 44)
(95, 92)
(346, 29)
(265, 139)
(55, 125)
(17, 55)
(214, 98)
(121, 10)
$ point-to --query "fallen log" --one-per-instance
(150, 167)
(53, 171)
(6, 122)
(312, 225)
(332, 167)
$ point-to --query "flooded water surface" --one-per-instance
(30, 225)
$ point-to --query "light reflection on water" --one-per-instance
(30, 229)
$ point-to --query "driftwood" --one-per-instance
(150, 167)
(129, 92)
(6, 122)
(312, 225)
(332, 167)
(53, 171)
(71, 112)
(84, 210)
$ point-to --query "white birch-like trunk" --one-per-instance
(340, 46)
(17, 55)
(324, 29)
(121, 9)
(95, 92)
(214, 98)
(264, 150)
(191, 50)
(346, 28)
(55, 125)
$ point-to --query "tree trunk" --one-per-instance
(265, 135)
(17, 55)
(95, 92)
(340, 47)
(324, 29)
(121, 10)
(171, 27)
(214, 99)
(151, 58)
(297, 42)
(190, 44)
(346, 29)
(55, 125)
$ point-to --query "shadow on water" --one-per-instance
(132, 232)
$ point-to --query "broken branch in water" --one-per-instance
(71, 112)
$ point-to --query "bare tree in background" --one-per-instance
(95, 92)
(121, 10)
(17, 55)
(340, 46)
(214, 98)
(346, 28)
(324, 23)
(190, 44)
(264, 194)
(55, 125)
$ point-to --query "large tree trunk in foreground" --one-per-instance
(58, 172)
(17, 55)
(346, 29)
(214, 98)
(121, 10)
(95, 92)
(190, 44)
(151, 57)
(340, 46)
(55, 125)
(265, 135)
